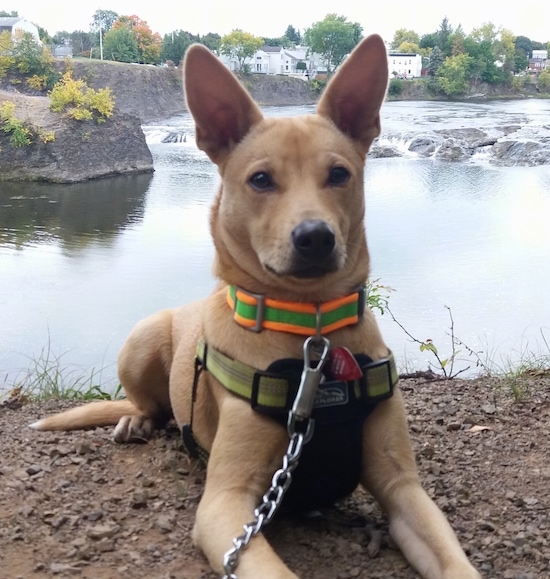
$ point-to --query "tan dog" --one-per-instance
(287, 223)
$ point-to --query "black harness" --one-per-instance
(330, 465)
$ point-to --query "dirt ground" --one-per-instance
(76, 504)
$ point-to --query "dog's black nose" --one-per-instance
(313, 239)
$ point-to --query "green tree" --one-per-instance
(175, 45)
(333, 38)
(436, 60)
(483, 64)
(544, 80)
(403, 35)
(444, 35)
(240, 46)
(410, 47)
(457, 42)
(281, 41)
(452, 75)
(524, 44)
(82, 42)
(293, 35)
(44, 36)
(212, 41)
(429, 40)
(120, 44)
(103, 20)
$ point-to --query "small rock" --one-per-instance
(139, 500)
(164, 524)
(103, 531)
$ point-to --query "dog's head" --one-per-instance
(288, 219)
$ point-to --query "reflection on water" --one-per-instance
(72, 215)
(81, 264)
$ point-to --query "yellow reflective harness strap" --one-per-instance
(272, 392)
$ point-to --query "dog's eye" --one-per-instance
(338, 176)
(261, 181)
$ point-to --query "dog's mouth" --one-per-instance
(305, 270)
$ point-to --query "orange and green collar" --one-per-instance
(257, 312)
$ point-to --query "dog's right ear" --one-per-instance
(222, 109)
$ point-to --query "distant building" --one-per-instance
(18, 26)
(539, 60)
(405, 64)
(296, 61)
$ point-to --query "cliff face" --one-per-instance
(150, 92)
(81, 150)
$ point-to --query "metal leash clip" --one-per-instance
(300, 413)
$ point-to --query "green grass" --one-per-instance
(48, 378)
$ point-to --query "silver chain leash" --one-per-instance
(300, 429)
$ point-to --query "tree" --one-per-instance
(524, 44)
(103, 20)
(120, 45)
(281, 41)
(403, 35)
(429, 40)
(82, 42)
(175, 45)
(436, 60)
(293, 35)
(444, 36)
(410, 47)
(483, 64)
(212, 41)
(452, 75)
(148, 44)
(44, 36)
(333, 38)
(505, 50)
(240, 46)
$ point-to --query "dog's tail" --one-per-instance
(104, 413)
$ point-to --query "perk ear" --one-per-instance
(353, 97)
(222, 109)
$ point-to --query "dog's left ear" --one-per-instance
(353, 97)
(222, 109)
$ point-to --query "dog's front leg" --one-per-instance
(247, 450)
(416, 523)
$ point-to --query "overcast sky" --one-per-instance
(270, 19)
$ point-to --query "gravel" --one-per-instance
(76, 504)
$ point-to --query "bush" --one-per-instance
(20, 135)
(396, 87)
(544, 79)
(80, 100)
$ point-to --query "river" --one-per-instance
(81, 264)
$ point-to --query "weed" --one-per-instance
(47, 378)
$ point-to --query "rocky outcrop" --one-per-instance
(505, 146)
(80, 150)
(150, 92)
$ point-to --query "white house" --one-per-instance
(405, 64)
(17, 26)
(279, 60)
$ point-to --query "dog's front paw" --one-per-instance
(133, 429)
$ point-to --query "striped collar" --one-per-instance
(256, 312)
